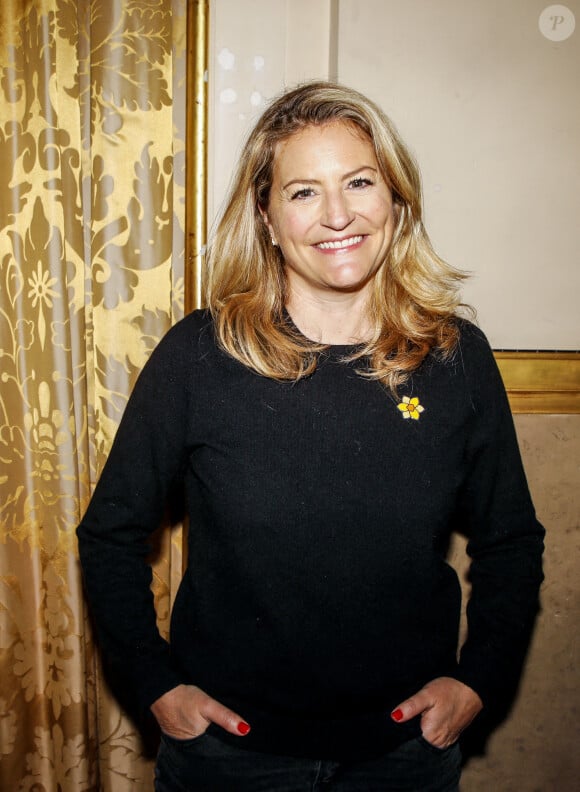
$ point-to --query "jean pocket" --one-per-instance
(186, 742)
(433, 748)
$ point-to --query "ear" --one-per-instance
(268, 224)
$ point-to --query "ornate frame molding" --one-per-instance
(196, 149)
(541, 382)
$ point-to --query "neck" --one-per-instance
(337, 320)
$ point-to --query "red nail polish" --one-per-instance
(243, 727)
(397, 715)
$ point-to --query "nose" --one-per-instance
(337, 214)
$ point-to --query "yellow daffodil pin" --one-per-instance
(410, 408)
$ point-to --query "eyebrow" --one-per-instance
(316, 181)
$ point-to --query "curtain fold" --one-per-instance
(92, 192)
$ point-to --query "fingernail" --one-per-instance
(243, 727)
(397, 715)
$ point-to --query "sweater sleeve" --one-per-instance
(505, 540)
(144, 465)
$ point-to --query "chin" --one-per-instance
(350, 284)
(345, 288)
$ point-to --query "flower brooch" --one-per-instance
(410, 408)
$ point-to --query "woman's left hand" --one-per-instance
(446, 707)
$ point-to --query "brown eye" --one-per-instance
(360, 182)
(305, 192)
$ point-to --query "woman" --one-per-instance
(331, 420)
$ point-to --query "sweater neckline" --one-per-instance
(330, 350)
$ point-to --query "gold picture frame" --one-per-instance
(536, 382)
(541, 382)
(196, 150)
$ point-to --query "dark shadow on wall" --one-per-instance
(474, 740)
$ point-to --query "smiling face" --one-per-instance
(330, 210)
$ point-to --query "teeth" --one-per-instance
(340, 244)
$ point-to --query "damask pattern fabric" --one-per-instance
(92, 183)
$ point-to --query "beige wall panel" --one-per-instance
(491, 108)
(536, 749)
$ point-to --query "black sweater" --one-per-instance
(316, 596)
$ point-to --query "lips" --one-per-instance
(339, 244)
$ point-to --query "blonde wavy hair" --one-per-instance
(414, 301)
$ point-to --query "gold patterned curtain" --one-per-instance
(92, 181)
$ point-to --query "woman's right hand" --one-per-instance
(186, 711)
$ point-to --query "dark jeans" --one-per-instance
(205, 764)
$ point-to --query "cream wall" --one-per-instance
(257, 47)
(489, 105)
(491, 108)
